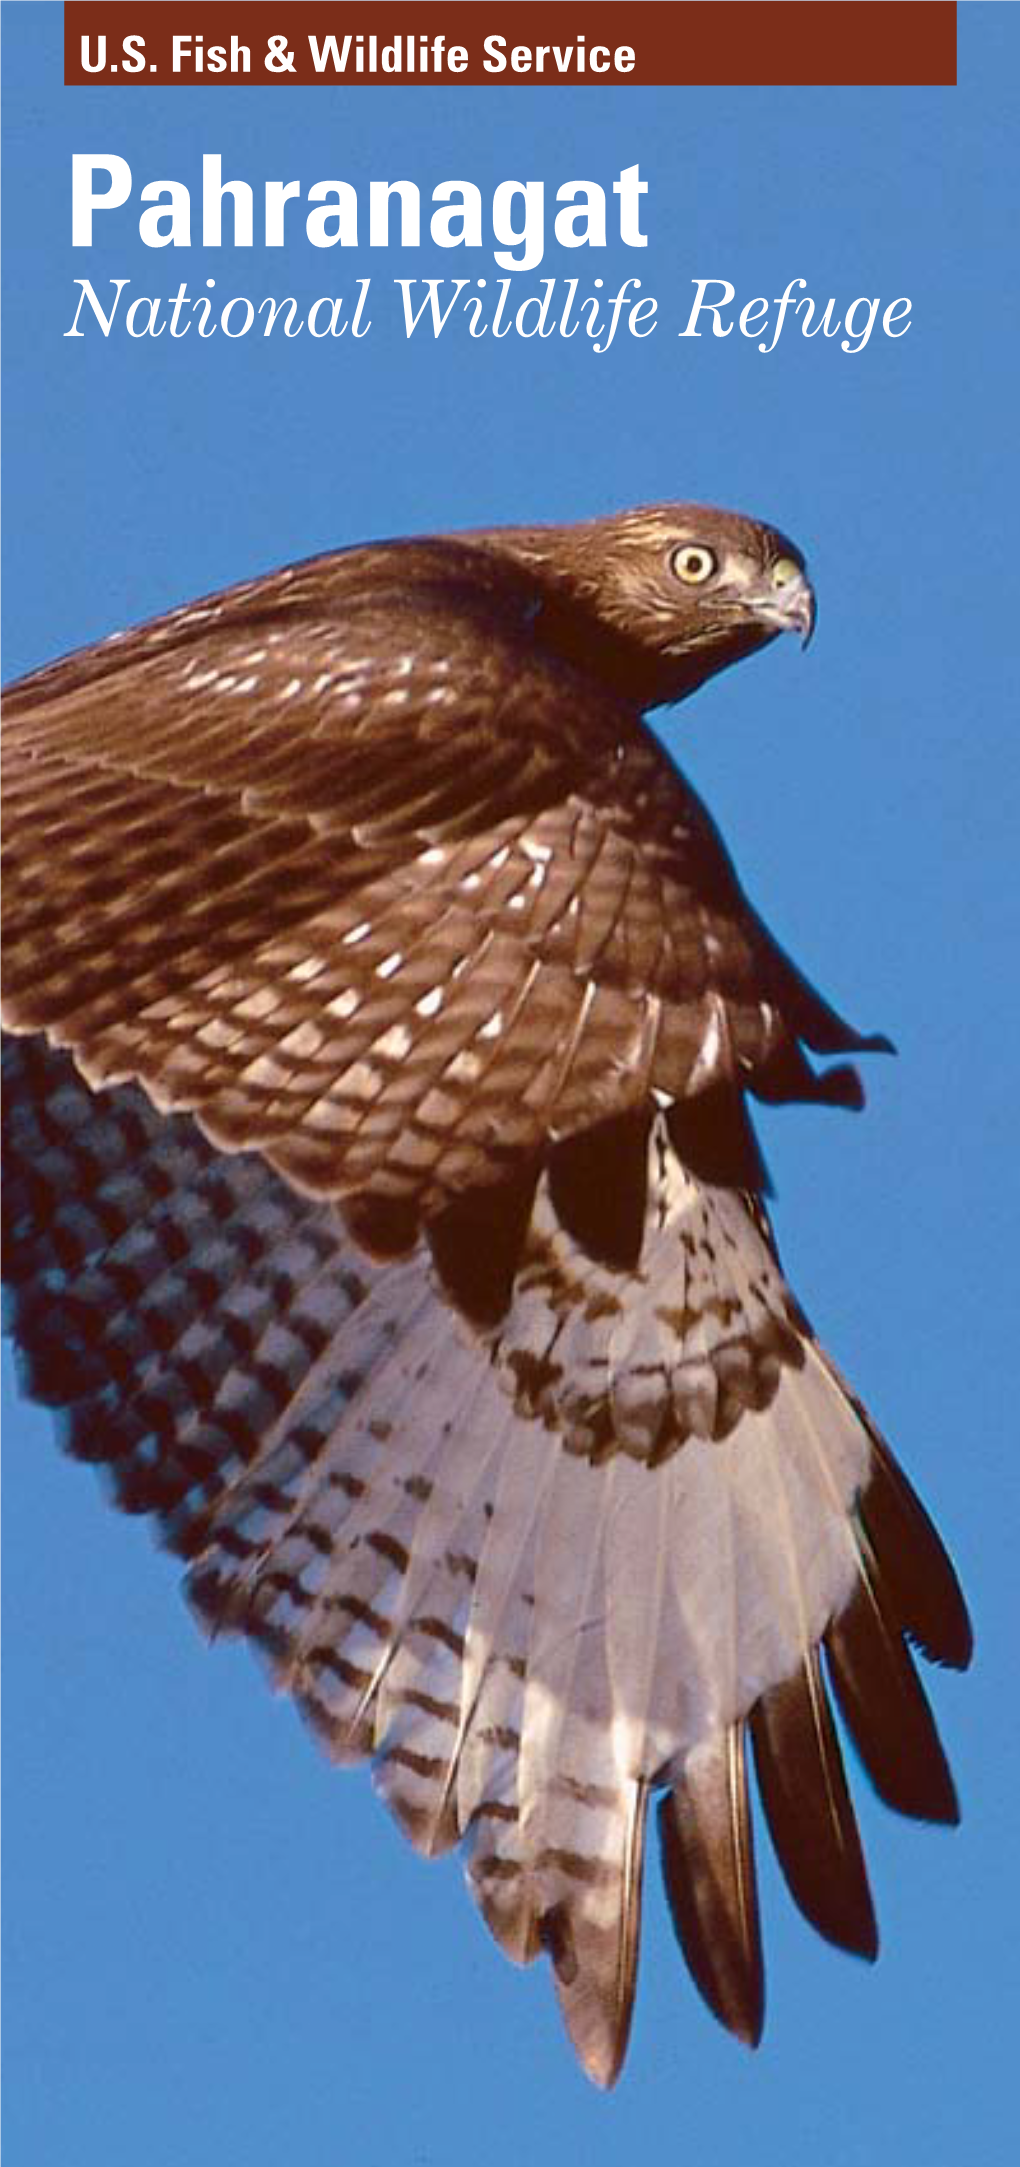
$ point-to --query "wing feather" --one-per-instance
(349, 862)
(908, 1555)
(531, 1569)
(384, 1216)
(811, 1820)
(886, 1709)
(707, 1851)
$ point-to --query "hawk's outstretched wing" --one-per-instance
(410, 1262)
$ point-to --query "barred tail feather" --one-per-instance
(532, 1564)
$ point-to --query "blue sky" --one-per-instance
(216, 1947)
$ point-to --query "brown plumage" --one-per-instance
(383, 1210)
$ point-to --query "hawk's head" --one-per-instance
(680, 590)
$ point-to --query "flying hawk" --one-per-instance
(384, 1212)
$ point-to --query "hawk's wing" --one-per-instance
(481, 963)
(533, 1574)
(393, 896)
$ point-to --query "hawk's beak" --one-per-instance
(787, 604)
(801, 607)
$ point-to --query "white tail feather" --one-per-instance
(531, 1572)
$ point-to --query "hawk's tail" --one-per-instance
(533, 1571)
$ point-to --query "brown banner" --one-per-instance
(210, 43)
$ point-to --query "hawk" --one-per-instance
(384, 1213)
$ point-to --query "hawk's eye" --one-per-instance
(693, 563)
(783, 570)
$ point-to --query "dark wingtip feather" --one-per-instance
(808, 1809)
(708, 1868)
(787, 1078)
(714, 1138)
(819, 1024)
(598, 1182)
(383, 1226)
(916, 1572)
(477, 1242)
(841, 1086)
(886, 1712)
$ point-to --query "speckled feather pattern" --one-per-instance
(381, 1213)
